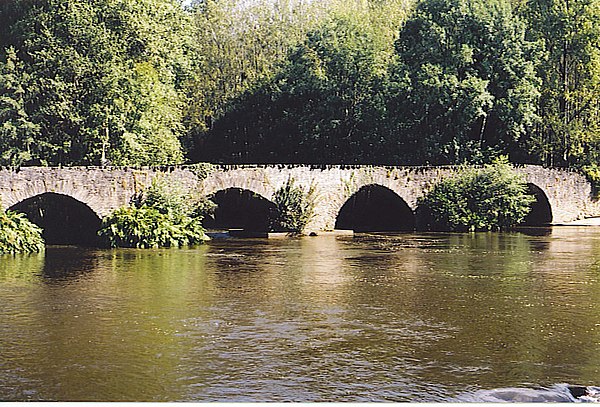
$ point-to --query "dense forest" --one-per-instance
(400, 82)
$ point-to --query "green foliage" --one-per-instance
(144, 82)
(592, 173)
(322, 106)
(490, 198)
(170, 199)
(147, 227)
(294, 208)
(201, 170)
(166, 197)
(569, 66)
(464, 87)
(162, 216)
(239, 45)
(17, 131)
(19, 235)
(203, 208)
(95, 81)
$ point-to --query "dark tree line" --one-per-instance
(467, 81)
(378, 81)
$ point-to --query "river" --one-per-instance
(406, 317)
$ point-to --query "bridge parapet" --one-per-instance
(105, 189)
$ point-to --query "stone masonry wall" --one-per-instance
(104, 189)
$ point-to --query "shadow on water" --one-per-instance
(538, 236)
(534, 230)
(68, 262)
(56, 263)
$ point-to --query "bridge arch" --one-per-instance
(375, 208)
(239, 208)
(64, 219)
(541, 210)
(250, 179)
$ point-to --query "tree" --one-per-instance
(324, 105)
(17, 143)
(569, 33)
(464, 87)
(239, 44)
(94, 72)
(153, 137)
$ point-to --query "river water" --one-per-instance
(407, 317)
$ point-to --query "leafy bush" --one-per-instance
(203, 208)
(18, 234)
(488, 198)
(162, 216)
(165, 198)
(147, 227)
(592, 173)
(172, 200)
(294, 208)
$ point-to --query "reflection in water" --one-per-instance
(20, 267)
(68, 262)
(407, 317)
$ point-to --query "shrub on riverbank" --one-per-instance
(18, 234)
(162, 216)
(490, 198)
(294, 208)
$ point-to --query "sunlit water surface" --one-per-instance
(410, 317)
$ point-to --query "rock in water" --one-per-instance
(560, 393)
(585, 393)
(577, 391)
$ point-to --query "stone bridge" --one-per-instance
(566, 194)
